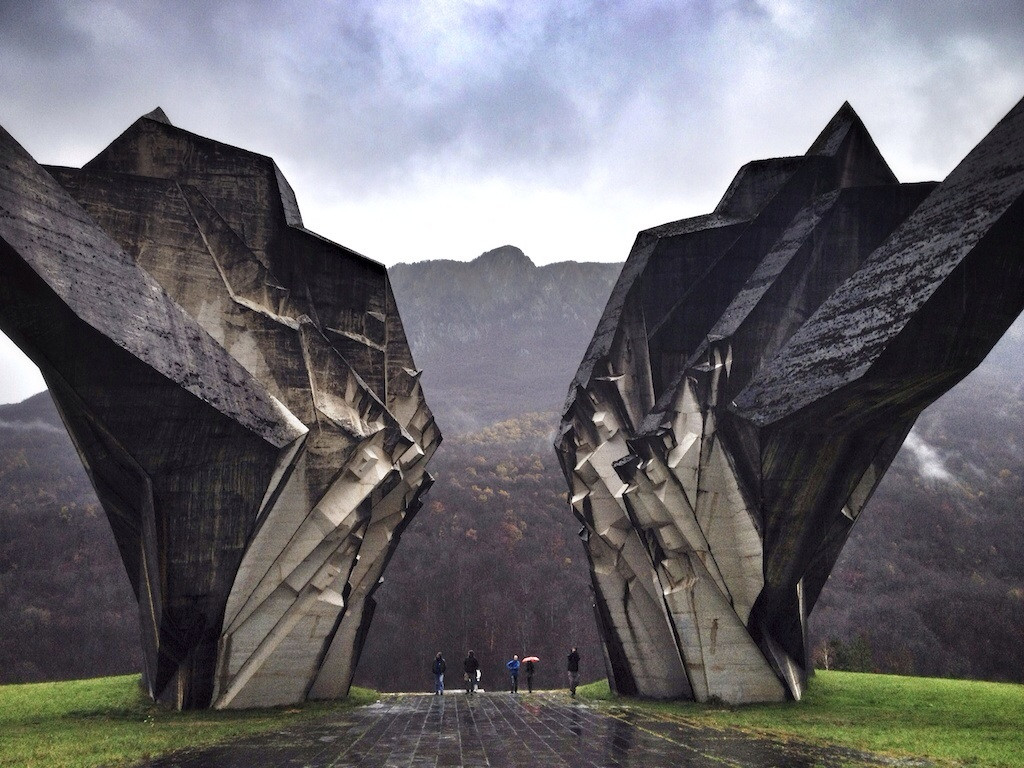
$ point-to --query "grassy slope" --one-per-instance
(106, 721)
(954, 722)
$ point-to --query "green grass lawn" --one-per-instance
(952, 722)
(108, 722)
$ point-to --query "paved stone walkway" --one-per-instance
(498, 729)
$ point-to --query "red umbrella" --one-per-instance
(530, 658)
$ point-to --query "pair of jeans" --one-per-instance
(515, 682)
(439, 682)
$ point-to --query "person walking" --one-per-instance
(573, 668)
(438, 669)
(528, 665)
(471, 667)
(513, 668)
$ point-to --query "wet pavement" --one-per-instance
(498, 729)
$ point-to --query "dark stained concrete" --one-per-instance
(499, 729)
(754, 373)
(241, 393)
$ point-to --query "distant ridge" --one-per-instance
(498, 336)
(39, 407)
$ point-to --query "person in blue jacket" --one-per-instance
(438, 669)
(513, 669)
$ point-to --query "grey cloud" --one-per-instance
(929, 22)
(929, 461)
(520, 103)
(40, 30)
(358, 96)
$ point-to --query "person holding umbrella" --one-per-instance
(513, 669)
(528, 663)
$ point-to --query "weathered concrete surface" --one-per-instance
(753, 375)
(241, 392)
(502, 730)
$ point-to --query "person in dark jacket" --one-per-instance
(528, 666)
(472, 668)
(573, 671)
(513, 670)
(438, 669)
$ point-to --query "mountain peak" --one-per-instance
(507, 256)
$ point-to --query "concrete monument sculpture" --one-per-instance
(753, 375)
(241, 393)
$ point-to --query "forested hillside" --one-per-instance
(931, 582)
(66, 607)
(498, 337)
(492, 564)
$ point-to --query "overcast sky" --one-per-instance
(426, 130)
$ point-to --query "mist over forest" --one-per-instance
(930, 583)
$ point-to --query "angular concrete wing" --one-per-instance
(241, 392)
(752, 377)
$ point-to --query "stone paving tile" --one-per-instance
(505, 731)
